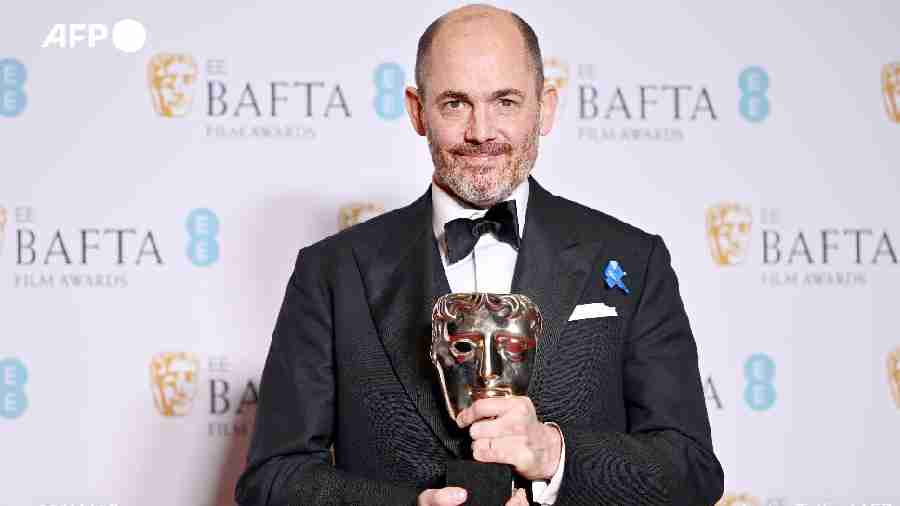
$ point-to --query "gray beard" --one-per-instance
(454, 178)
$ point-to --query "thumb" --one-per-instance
(450, 496)
(519, 498)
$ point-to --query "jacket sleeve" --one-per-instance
(666, 455)
(289, 461)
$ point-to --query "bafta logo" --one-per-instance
(171, 78)
(556, 74)
(893, 370)
(173, 379)
(890, 84)
(351, 214)
(738, 500)
(2, 227)
(728, 232)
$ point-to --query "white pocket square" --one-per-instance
(593, 310)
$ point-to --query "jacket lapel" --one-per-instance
(402, 282)
(552, 268)
(405, 276)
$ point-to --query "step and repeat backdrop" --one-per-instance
(161, 164)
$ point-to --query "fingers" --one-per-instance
(512, 450)
(506, 425)
(489, 408)
(518, 499)
(447, 496)
(534, 455)
(507, 431)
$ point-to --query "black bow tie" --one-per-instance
(462, 233)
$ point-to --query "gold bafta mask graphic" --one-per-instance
(556, 73)
(893, 370)
(890, 85)
(2, 226)
(171, 78)
(173, 378)
(738, 500)
(351, 214)
(728, 232)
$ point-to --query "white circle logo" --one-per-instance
(129, 36)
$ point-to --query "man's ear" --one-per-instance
(549, 101)
(415, 108)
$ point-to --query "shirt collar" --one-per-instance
(447, 208)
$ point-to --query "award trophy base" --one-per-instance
(487, 484)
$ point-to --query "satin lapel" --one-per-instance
(401, 284)
(552, 268)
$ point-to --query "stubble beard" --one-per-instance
(483, 185)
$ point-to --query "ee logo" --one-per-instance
(759, 371)
(754, 84)
(13, 376)
(12, 87)
(203, 229)
(389, 91)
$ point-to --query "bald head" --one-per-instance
(501, 25)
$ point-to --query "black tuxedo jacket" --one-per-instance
(348, 365)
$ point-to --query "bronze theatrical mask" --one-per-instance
(483, 345)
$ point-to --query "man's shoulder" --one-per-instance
(369, 236)
(593, 224)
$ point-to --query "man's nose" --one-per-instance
(481, 126)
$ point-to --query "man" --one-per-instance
(620, 393)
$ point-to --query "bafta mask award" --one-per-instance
(483, 346)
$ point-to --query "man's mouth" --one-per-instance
(480, 156)
(482, 151)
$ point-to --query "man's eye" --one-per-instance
(505, 102)
(454, 104)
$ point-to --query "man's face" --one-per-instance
(480, 110)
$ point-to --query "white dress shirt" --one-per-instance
(488, 268)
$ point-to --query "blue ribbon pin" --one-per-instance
(614, 274)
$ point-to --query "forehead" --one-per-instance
(479, 54)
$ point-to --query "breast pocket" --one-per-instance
(582, 370)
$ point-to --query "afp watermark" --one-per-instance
(128, 35)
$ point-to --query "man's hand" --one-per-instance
(453, 496)
(447, 496)
(518, 499)
(507, 431)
